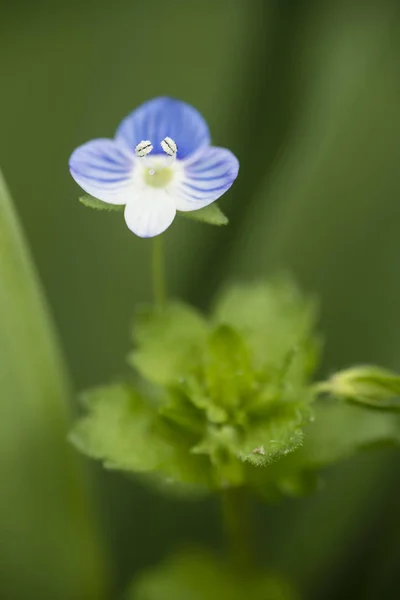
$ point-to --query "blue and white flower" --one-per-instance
(159, 162)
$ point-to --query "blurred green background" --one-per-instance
(307, 94)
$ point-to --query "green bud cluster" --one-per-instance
(214, 400)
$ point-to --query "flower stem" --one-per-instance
(236, 521)
(159, 285)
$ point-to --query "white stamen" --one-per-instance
(143, 148)
(169, 146)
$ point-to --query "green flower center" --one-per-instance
(158, 177)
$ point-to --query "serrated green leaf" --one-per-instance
(196, 575)
(276, 435)
(196, 393)
(277, 321)
(168, 342)
(125, 432)
(92, 202)
(228, 373)
(211, 214)
(184, 414)
(367, 384)
(339, 431)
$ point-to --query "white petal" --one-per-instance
(150, 212)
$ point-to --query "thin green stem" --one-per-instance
(159, 285)
(236, 521)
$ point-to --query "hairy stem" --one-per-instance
(159, 284)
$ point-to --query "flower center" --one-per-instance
(157, 172)
(158, 177)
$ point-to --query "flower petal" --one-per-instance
(150, 212)
(103, 168)
(207, 176)
(165, 117)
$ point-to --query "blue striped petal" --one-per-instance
(103, 168)
(165, 117)
(208, 175)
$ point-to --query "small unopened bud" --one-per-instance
(169, 146)
(143, 148)
(366, 384)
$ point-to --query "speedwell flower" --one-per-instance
(160, 161)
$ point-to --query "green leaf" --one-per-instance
(168, 342)
(43, 494)
(276, 435)
(211, 214)
(92, 202)
(277, 321)
(196, 575)
(229, 377)
(124, 430)
(215, 388)
(196, 394)
(338, 431)
(369, 385)
(219, 444)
